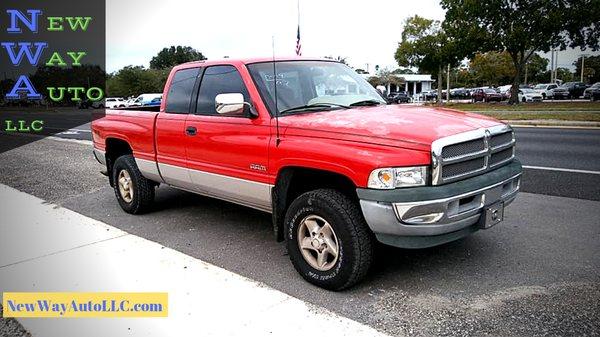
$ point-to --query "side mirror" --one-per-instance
(233, 104)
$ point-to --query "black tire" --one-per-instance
(543, 96)
(355, 239)
(524, 100)
(143, 189)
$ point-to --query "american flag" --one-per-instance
(298, 44)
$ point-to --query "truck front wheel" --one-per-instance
(328, 240)
(134, 192)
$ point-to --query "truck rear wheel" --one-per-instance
(328, 240)
(134, 192)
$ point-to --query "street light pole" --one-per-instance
(448, 85)
(582, 65)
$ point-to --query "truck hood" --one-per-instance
(414, 127)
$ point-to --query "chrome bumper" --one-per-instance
(467, 206)
(433, 217)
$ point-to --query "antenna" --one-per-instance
(277, 139)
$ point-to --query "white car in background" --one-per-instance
(115, 102)
(546, 90)
(529, 95)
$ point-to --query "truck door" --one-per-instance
(228, 153)
(170, 129)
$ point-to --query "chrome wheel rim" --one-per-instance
(125, 188)
(318, 243)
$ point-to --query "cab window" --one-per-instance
(219, 80)
(180, 91)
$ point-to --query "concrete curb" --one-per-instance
(553, 123)
(44, 247)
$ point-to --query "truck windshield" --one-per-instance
(312, 86)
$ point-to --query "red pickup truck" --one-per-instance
(312, 143)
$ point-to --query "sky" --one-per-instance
(365, 32)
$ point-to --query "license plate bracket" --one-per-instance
(493, 214)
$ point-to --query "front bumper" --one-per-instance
(101, 159)
(428, 216)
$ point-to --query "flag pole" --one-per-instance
(298, 43)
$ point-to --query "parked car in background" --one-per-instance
(587, 93)
(144, 99)
(429, 95)
(570, 90)
(595, 95)
(129, 102)
(114, 102)
(154, 102)
(561, 93)
(545, 89)
(86, 104)
(398, 97)
(504, 90)
(529, 95)
(486, 95)
(460, 93)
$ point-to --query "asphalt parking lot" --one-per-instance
(537, 273)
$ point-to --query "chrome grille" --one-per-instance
(457, 150)
(500, 139)
(471, 153)
(502, 156)
(457, 169)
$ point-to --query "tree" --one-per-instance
(133, 81)
(591, 71)
(385, 76)
(172, 56)
(426, 45)
(521, 27)
(402, 71)
(536, 67)
(491, 68)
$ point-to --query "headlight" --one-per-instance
(393, 177)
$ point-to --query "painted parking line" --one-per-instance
(47, 248)
(559, 169)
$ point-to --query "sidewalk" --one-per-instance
(553, 123)
(46, 248)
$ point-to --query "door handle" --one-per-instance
(190, 131)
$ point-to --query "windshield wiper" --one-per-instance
(368, 102)
(314, 106)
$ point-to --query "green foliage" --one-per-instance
(401, 71)
(425, 45)
(591, 71)
(135, 80)
(536, 69)
(174, 55)
(564, 74)
(492, 68)
(385, 76)
(521, 27)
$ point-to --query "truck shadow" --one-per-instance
(392, 266)
(241, 240)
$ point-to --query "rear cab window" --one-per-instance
(181, 89)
